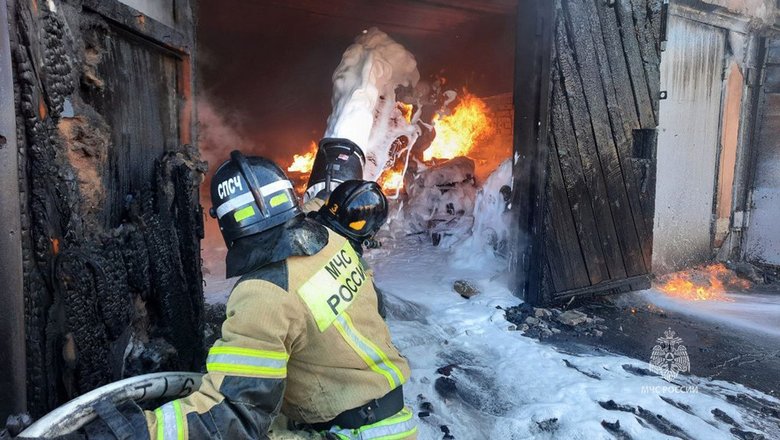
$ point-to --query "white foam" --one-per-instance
(490, 233)
(364, 100)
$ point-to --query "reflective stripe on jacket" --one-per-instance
(399, 426)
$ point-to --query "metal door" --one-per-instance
(688, 141)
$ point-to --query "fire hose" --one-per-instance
(79, 411)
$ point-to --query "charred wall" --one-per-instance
(111, 220)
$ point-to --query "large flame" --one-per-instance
(457, 133)
(706, 283)
(303, 163)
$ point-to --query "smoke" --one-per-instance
(218, 134)
(364, 101)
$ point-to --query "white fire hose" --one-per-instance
(79, 411)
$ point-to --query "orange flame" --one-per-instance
(303, 163)
(457, 133)
(392, 181)
(706, 283)
(407, 110)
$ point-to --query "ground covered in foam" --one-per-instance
(475, 377)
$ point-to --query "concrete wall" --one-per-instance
(689, 135)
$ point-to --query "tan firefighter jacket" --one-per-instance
(303, 335)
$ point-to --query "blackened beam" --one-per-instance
(640, 282)
(12, 342)
(126, 17)
(533, 53)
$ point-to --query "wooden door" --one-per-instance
(587, 108)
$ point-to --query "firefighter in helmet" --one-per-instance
(302, 334)
(356, 209)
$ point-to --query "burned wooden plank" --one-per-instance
(616, 58)
(562, 245)
(628, 109)
(128, 17)
(620, 131)
(580, 199)
(643, 165)
(586, 145)
(605, 288)
(643, 14)
(604, 144)
(531, 95)
(546, 282)
(655, 20)
(642, 92)
(149, 128)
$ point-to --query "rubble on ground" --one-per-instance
(465, 289)
(541, 323)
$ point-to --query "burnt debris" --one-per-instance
(542, 323)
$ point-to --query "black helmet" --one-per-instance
(337, 161)
(355, 209)
(250, 195)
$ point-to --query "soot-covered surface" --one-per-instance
(110, 212)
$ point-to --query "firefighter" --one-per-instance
(356, 209)
(302, 334)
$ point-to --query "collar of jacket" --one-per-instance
(300, 236)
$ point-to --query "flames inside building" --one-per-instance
(440, 124)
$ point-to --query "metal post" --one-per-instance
(12, 341)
